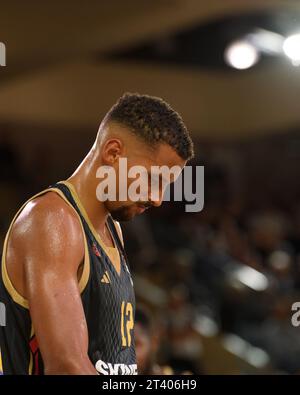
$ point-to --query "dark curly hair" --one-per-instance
(152, 119)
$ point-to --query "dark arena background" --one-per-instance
(218, 289)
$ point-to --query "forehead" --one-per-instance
(162, 155)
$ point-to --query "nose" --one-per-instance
(157, 202)
(155, 196)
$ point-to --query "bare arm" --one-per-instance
(52, 248)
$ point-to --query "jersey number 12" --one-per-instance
(127, 323)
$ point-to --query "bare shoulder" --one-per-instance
(47, 222)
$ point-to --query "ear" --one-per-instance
(111, 151)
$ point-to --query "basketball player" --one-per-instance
(65, 279)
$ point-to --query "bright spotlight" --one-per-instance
(241, 55)
(291, 47)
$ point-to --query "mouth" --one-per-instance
(141, 208)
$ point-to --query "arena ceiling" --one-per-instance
(68, 61)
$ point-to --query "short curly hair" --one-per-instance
(152, 119)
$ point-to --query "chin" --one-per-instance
(126, 213)
(122, 215)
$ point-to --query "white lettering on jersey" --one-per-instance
(108, 368)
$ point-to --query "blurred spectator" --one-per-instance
(147, 341)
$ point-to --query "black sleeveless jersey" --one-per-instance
(107, 297)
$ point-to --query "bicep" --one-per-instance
(57, 316)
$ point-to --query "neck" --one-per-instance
(85, 183)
